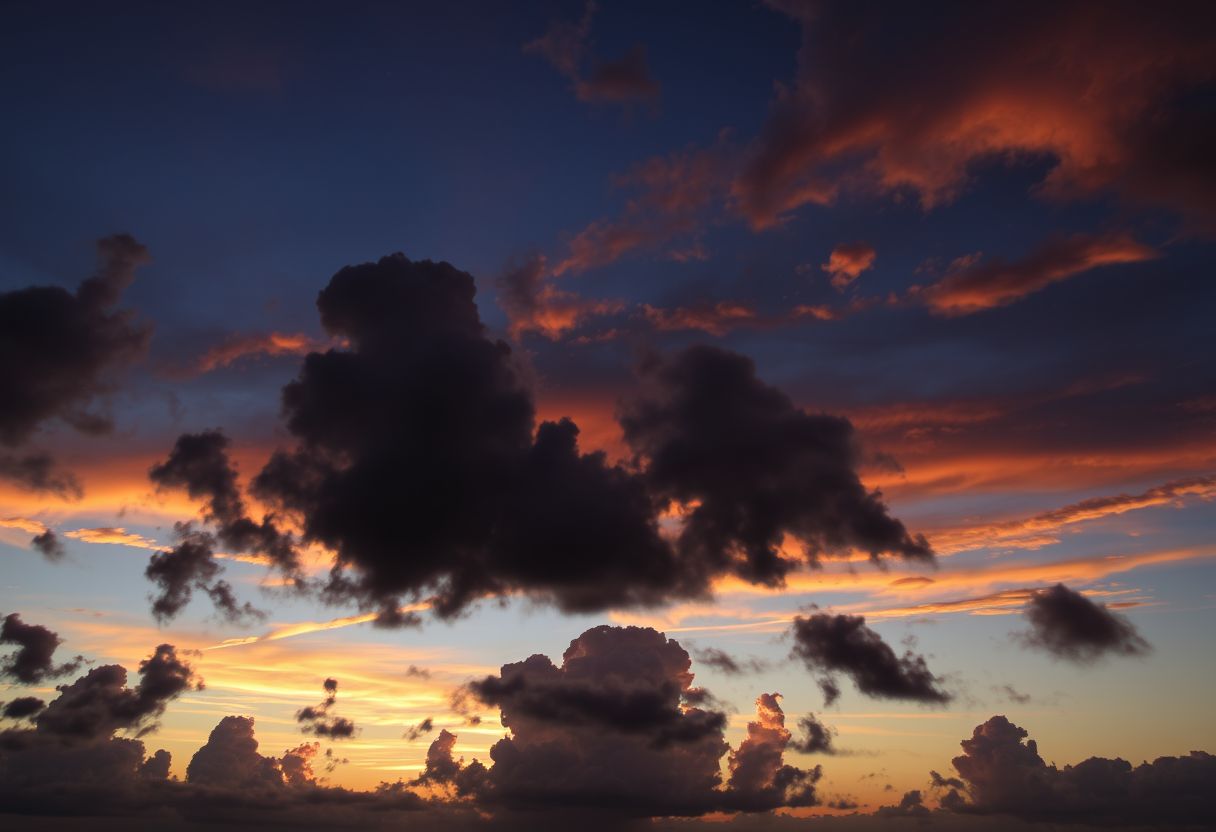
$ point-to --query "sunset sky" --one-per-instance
(858, 359)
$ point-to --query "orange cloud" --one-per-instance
(606, 241)
(1085, 91)
(114, 535)
(1040, 529)
(301, 628)
(984, 285)
(974, 579)
(671, 194)
(534, 305)
(23, 524)
(847, 261)
(952, 470)
(716, 319)
(243, 346)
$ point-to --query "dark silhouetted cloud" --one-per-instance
(911, 805)
(317, 719)
(755, 467)
(728, 664)
(611, 731)
(1070, 626)
(230, 759)
(415, 732)
(844, 644)
(1005, 775)
(100, 703)
(816, 737)
(49, 545)
(23, 707)
(33, 662)
(453, 500)
(58, 351)
(199, 464)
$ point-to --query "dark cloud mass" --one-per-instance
(37, 471)
(23, 707)
(33, 662)
(1068, 625)
(100, 703)
(230, 758)
(199, 464)
(911, 805)
(418, 465)
(418, 462)
(1005, 775)
(610, 730)
(70, 762)
(816, 737)
(58, 351)
(756, 468)
(844, 644)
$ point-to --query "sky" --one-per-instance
(773, 415)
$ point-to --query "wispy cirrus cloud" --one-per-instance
(978, 286)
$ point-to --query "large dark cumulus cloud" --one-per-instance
(57, 349)
(756, 467)
(1070, 626)
(416, 462)
(1004, 774)
(33, 662)
(612, 731)
(69, 762)
(844, 644)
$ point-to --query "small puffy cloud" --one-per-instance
(831, 644)
(33, 662)
(847, 261)
(1069, 626)
(318, 721)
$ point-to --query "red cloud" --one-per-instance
(1095, 90)
(269, 343)
(976, 286)
(847, 261)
